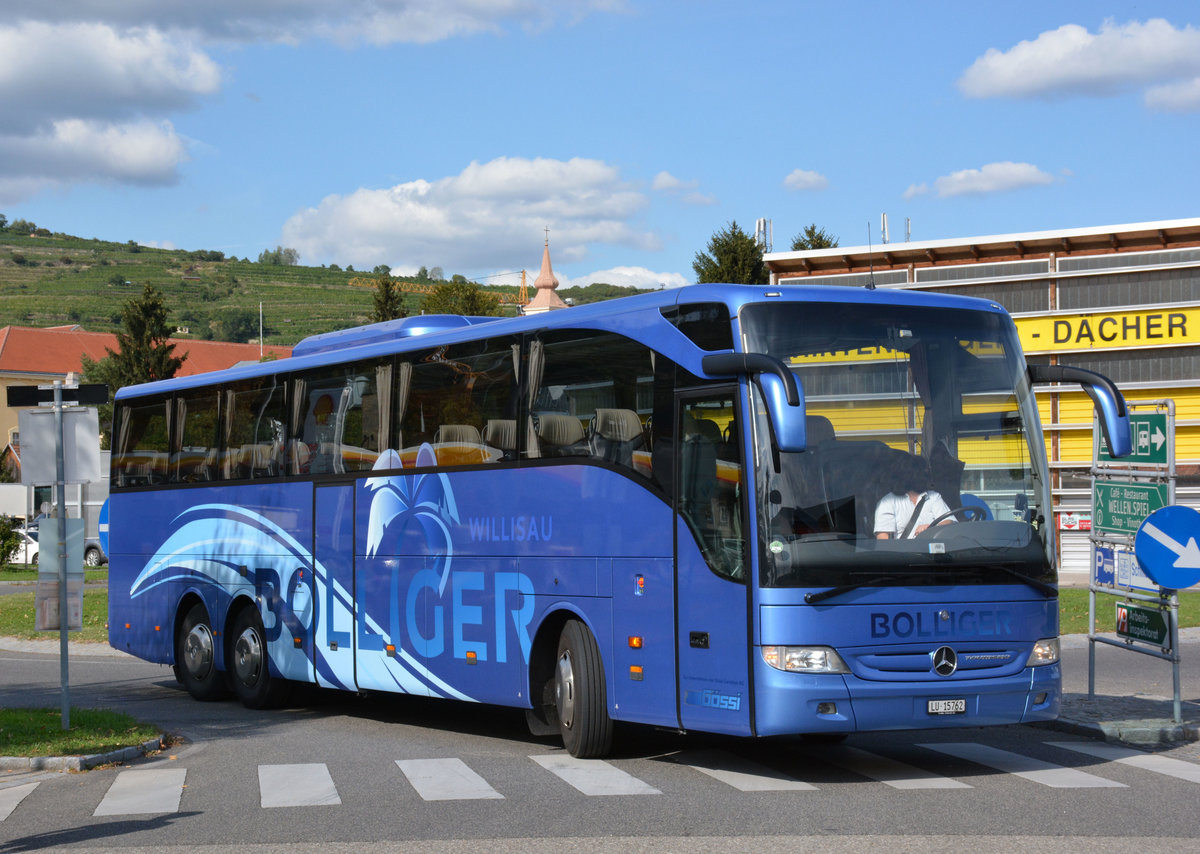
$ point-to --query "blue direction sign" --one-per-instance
(1165, 546)
(102, 527)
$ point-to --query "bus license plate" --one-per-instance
(946, 707)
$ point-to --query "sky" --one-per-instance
(454, 133)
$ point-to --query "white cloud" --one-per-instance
(74, 150)
(991, 178)
(629, 277)
(801, 179)
(119, 69)
(685, 191)
(915, 190)
(347, 22)
(91, 71)
(1073, 61)
(489, 214)
(1181, 97)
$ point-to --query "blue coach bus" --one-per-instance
(684, 509)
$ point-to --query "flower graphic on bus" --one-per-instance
(424, 500)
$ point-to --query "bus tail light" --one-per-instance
(804, 659)
(1045, 651)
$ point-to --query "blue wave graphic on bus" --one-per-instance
(238, 551)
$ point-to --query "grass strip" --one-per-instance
(39, 732)
(17, 618)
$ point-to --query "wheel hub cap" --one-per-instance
(198, 651)
(564, 690)
(247, 656)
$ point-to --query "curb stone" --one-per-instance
(81, 763)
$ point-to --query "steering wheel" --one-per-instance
(974, 512)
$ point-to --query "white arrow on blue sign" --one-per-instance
(1166, 549)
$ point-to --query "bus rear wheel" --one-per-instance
(249, 664)
(580, 699)
(195, 664)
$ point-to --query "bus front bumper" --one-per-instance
(794, 703)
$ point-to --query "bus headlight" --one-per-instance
(804, 659)
(1045, 651)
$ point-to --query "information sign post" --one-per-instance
(1128, 495)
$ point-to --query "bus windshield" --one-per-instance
(924, 462)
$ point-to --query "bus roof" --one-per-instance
(377, 339)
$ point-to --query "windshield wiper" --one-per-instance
(822, 595)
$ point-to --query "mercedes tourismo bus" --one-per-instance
(664, 509)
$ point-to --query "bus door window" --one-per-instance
(709, 496)
(254, 418)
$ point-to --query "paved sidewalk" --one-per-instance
(1138, 707)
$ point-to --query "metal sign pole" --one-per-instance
(63, 621)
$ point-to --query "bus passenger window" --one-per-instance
(140, 458)
(254, 419)
(194, 456)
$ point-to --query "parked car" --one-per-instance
(27, 549)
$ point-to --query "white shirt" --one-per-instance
(894, 511)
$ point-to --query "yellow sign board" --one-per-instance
(1110, 330)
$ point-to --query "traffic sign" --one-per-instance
(1120, 506)
(1165, 546)
(1149, 430)
(1141, 624)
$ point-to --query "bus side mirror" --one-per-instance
(781, 390)
(1106, 397)
(787, 420)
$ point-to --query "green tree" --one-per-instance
(388, 300)
(382, 270)
(239, 325)
(9, 538)
(461, 298)
(813, 238)
(423, 274)
(280, 256)
(732, 256)
(3, 222)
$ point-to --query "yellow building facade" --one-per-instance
(1121, 300)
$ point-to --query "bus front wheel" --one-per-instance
(249, 665)
(579, 694)
(194, 659)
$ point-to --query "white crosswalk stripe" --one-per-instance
(296, 785)
(898, 775)
(1046, 773)
(13, 795)
(139, 792)
(593, 776)
(741, 774)
(1136, 758)
(446, 780)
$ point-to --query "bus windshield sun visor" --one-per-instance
(1107, 398)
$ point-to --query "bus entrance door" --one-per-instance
(333, 551)
(710, 575)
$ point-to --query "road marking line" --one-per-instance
(446, 780)
(301, 785)
(593, 776)
(1046, 773)
(1146, 761)
(741, 774)
(897, 774)
(12, 796)
(146, 791)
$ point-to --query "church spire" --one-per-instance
(545, 299)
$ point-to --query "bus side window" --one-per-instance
(710, 482)
(142, 442)
(255, 434)
(194, 455)
(462, 401)
(600, 380)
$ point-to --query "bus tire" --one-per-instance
(195, 656)
(580, 699)
(249, 663)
